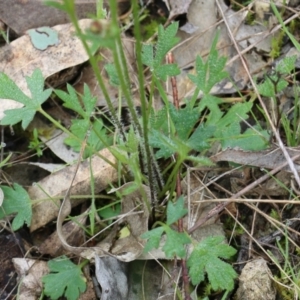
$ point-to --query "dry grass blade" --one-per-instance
(221, 206)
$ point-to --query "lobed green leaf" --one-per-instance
(175, 211)
(175, 243)
(154, 59)
(153, 237)
(16, 201)
(112, 74)
(211, 72)
(163, 71)
(184, 120)
(66, 279)
(205, 259)
(147, 56)
(199, 140)
(97, 138)
(253, 139)
(9, 90)
(166, 41)
(286, 65)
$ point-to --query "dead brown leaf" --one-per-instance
(123, 248)
(24, 58)
(54, 186)
(269, 159)
(31, 271)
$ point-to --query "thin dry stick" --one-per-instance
(264, 36)
(243, 200)
(221, 206)
(274, 129)
(257, 243)
(281, 227)
(252, 229)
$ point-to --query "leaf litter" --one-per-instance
(130, 247)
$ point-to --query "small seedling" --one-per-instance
(175, 241)
(205, 257)
(289, 274)
(35, 143)
(272, 86)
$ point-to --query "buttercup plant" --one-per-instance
(171, 133)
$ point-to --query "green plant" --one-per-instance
(285, 29)
(171, 132)
(205, 257)
(35, 143)
(25, 114)
(272, 86)
(149, 26)
(175, 241)
(289, 274)
(16, 201)
(274, 214)
(65, 279)
(31, 105)
(291, 124)
(276, 45)
(101, 11)
(175, 135)
(4, 35)
(6, 159)
(84, 106)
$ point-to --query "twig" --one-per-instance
(221, 206)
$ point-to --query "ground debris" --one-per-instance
(255, 282)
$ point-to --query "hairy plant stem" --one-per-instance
(151, 165)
